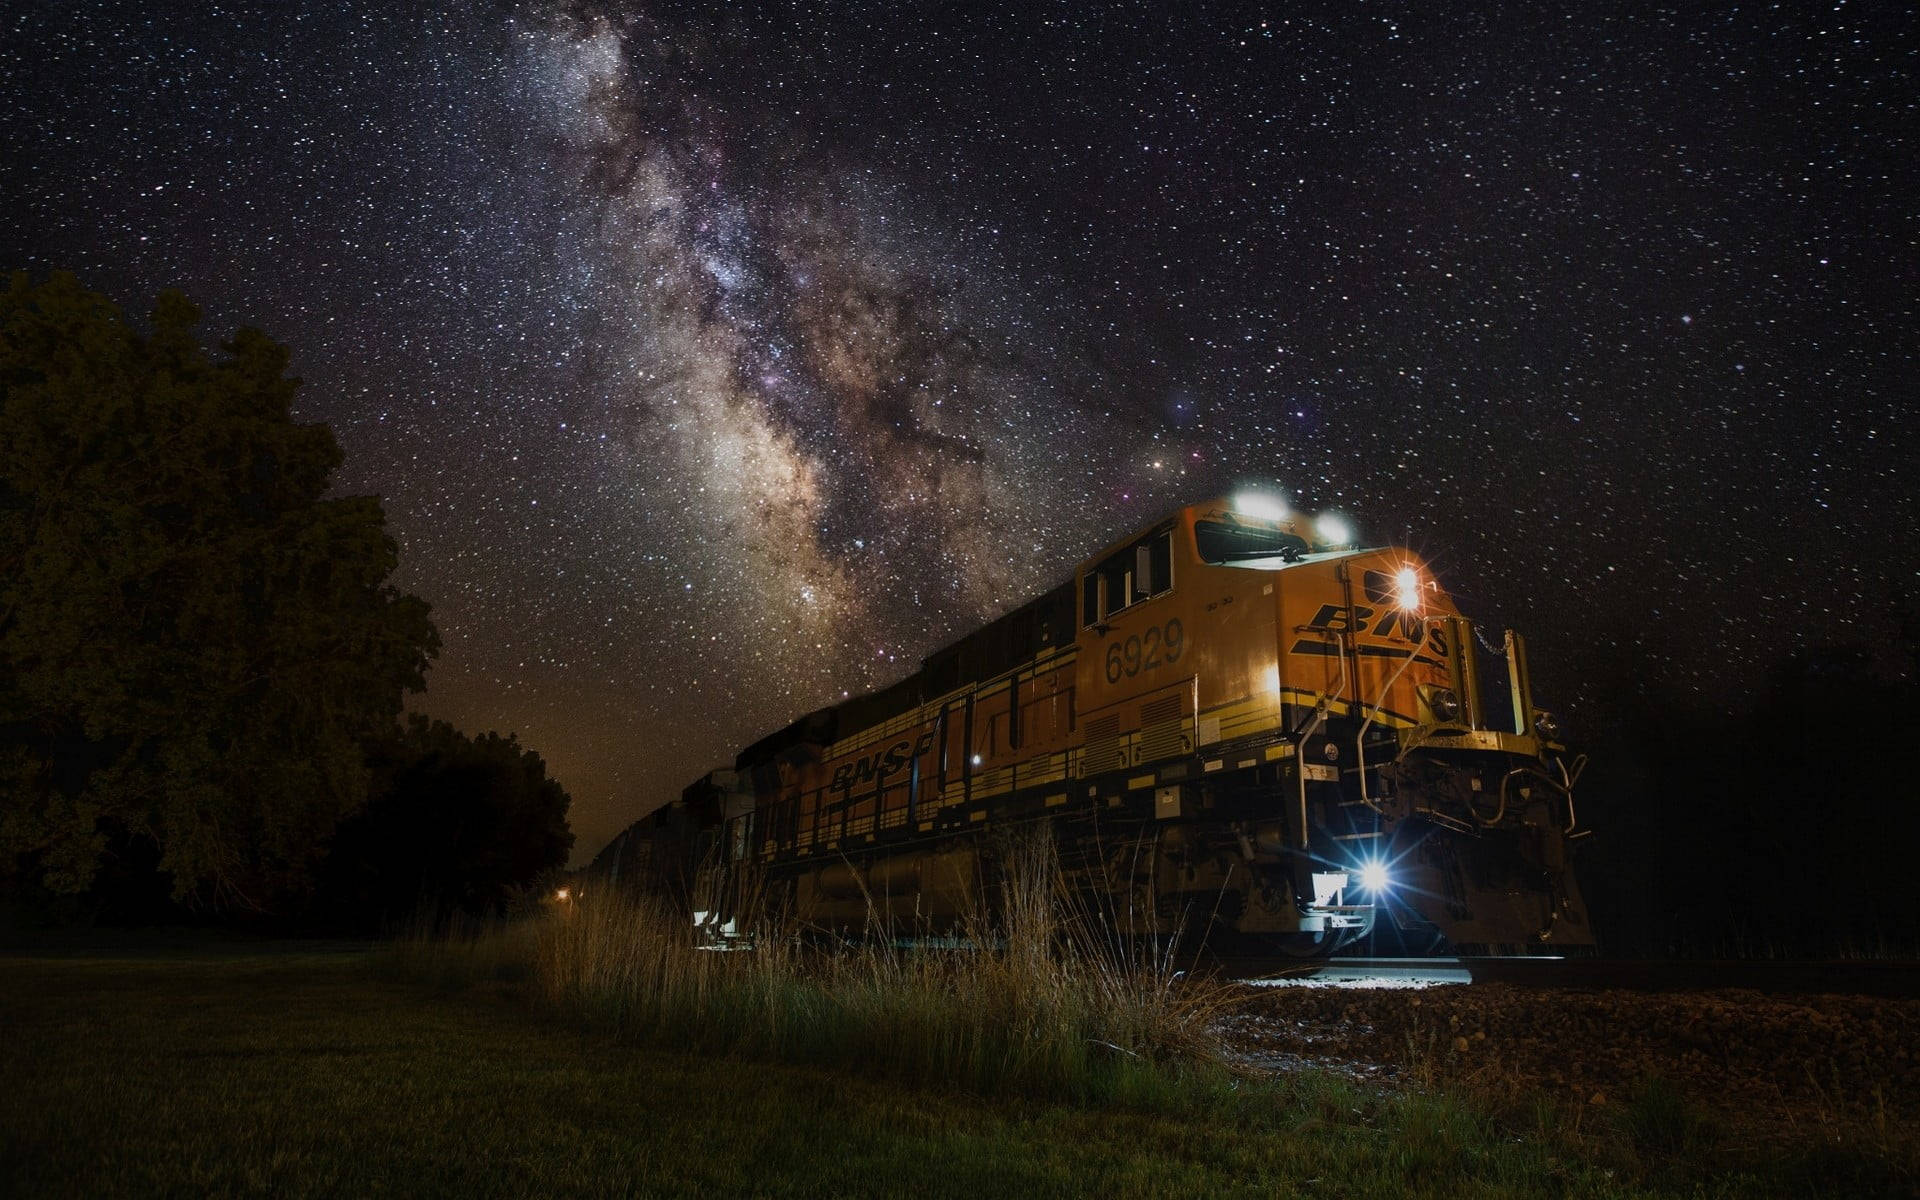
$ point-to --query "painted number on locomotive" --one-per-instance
(1160, 644)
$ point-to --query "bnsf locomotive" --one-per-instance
(1234, 723)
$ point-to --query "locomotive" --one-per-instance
(1235, 723)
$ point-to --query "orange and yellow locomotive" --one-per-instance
(1234, 721)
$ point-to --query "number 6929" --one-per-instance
(1160, 644)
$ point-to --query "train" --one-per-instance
(1236, 726)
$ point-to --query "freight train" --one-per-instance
(1237, 724)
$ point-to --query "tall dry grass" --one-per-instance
(1047, 1002)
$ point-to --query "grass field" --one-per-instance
(320, 1074)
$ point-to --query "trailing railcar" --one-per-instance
(1235, 722)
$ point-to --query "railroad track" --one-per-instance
(1856, 977)
(1846, 977)
(1356, 971)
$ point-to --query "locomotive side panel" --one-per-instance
(1348, 635)
(1134, 683)
(1233, 644)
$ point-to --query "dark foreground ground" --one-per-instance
(296, 1074)
(1741, 1070)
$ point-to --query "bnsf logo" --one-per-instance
(1395, 625)
(880, 762)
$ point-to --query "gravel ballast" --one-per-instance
(1766, 1065)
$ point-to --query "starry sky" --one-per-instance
(715, 364)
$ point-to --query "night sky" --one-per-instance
(713, 367)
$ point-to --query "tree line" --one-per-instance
(1778, 824)
(203, 659)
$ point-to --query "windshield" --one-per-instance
(1219, 542)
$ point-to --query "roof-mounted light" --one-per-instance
(1260, 506)
(1333, 530)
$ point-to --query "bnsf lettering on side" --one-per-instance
(880, 762)
(1396, 625)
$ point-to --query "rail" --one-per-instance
(1847, 977)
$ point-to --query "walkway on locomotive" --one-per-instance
(1199, 643)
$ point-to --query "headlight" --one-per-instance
(1333, 530)
(1373, 877)
(1546, 726)
(1445, 704)
(1406, 589)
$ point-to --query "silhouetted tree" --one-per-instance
(458, 824)
(1784, 826)
(195, 644)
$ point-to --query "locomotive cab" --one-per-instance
(1447, 819)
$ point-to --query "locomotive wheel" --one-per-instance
(1303, 948)
(1307, 947)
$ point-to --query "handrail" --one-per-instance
(1301, 735)
(1360, 739)
(1563, 785)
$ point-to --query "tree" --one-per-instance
(195, 643)
(1783, 827)
(458, 824)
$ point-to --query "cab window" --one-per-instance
(1222, 543)
(1139, 572)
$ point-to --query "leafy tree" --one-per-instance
(458, 824)
(1784, 828)
(195, 643)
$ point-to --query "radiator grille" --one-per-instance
(1161, 729)
(1103, 746)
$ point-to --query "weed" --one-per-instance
(1663, 1124)
(1045, 1005)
